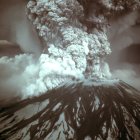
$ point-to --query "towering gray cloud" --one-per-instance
(75, 45)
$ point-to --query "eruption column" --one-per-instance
(76, 42)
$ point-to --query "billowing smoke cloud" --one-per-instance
(25, 75)
(70, 39)
(16, 75)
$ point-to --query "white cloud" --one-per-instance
(129, 76)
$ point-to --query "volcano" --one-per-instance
(75, 111)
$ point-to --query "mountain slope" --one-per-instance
(75, 112)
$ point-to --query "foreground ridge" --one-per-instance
(76, 112)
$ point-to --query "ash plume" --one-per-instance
(70, 38)
(76, 31)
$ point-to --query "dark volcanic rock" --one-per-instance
(75, 112)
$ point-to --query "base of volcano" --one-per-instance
(75, 112)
